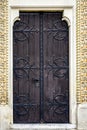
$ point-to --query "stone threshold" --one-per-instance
(42, 127)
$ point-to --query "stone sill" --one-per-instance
(42, 126)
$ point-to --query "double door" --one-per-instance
(40, 68)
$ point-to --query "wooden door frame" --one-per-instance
(68, 17)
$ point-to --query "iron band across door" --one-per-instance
(40, 68)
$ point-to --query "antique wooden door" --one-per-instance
(40, 68)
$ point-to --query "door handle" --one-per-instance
(36, 82)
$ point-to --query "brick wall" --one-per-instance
(3, 51)
(81, 50)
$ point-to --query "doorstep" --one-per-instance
(43, 127)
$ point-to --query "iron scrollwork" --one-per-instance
(22, 67)
(58, 30)
(22, 31)
(59, 67)
(58, 106)
(23, 106)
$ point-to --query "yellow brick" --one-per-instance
(3, 52)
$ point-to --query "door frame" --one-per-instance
(69, 17)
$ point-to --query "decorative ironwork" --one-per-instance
(22, 67)
(59, 67)
(41, 68)
(22, 31)
(58, 106)
(58, 30)
(22, 107)
(31, 103)
(58, 103)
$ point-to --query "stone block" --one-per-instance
(82, 116)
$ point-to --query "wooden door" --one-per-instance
(41, 68)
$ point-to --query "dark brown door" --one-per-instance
(41, 68)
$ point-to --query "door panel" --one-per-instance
(56, 82)
(41, 68)
(26, 69)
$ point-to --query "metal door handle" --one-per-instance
(35, 80)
